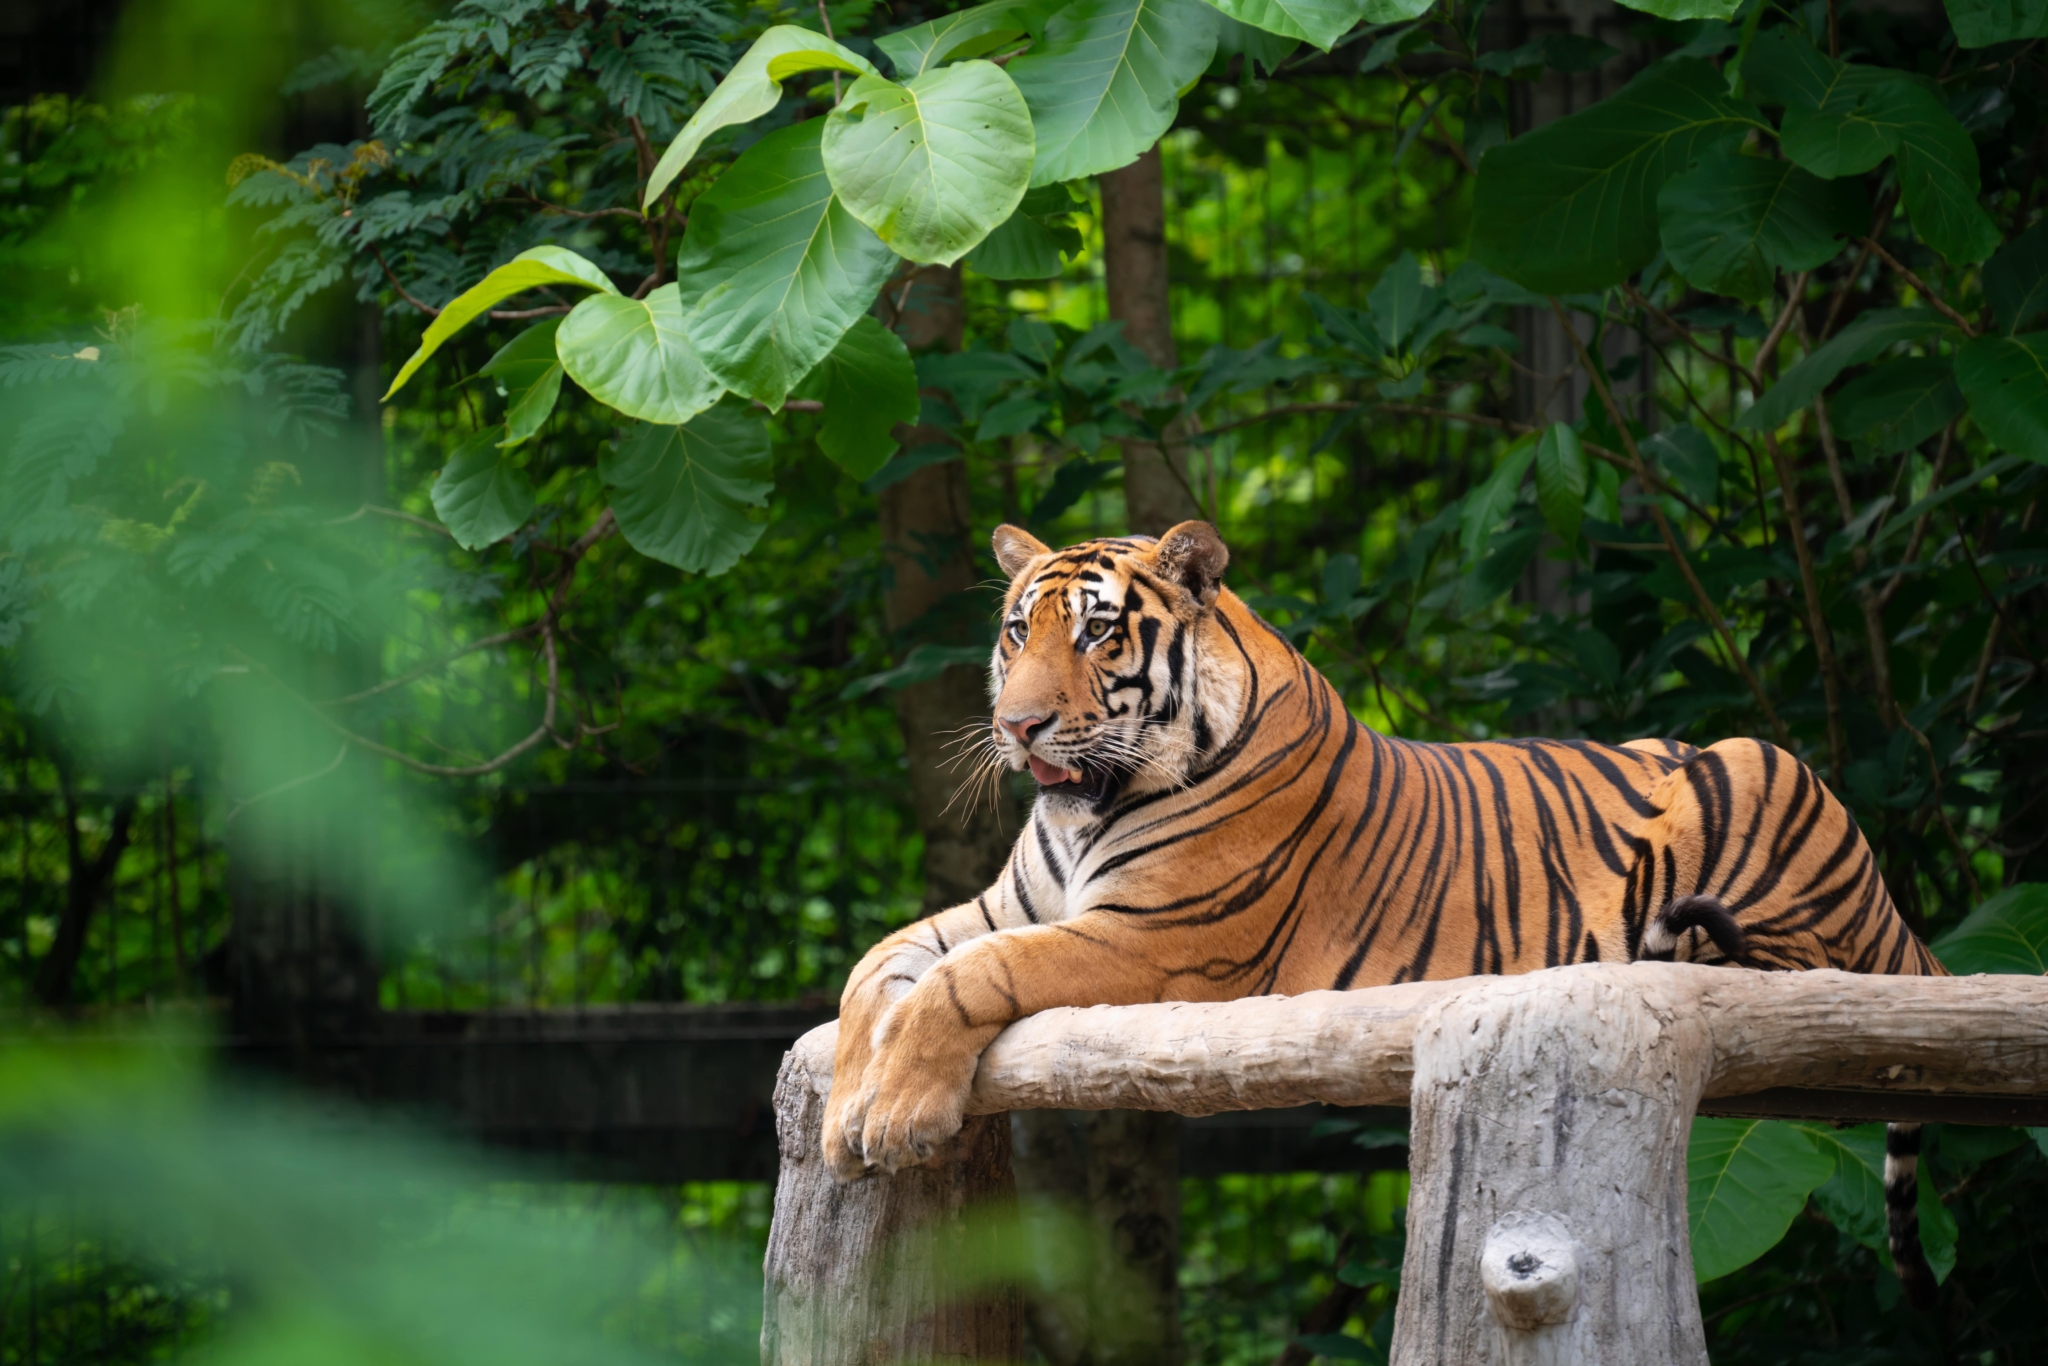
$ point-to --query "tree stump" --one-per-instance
(871, 1271)
(1547, 1219)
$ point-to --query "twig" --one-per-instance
(371, 509)
(1793, 297)
(825, 18)
(244, 803)
(502, 315)
(502, 638)
(1925, 289)
(1671, 544)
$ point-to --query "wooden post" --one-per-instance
(865, 1273)
(1546, 1222)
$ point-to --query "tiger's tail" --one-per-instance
(1902, 1213)
(1901, 1141)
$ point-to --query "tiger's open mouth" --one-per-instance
(1087, 782)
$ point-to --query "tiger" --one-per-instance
(1211, 822)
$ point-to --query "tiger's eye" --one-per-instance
(1097, 629)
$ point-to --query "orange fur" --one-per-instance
(1237, 833)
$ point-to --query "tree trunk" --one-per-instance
(870, 1271)
(1157, 493)
(1547, 1221)
(929, 546)
(87, 883)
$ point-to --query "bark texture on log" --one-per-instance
(1547, 1142)
(867, 1272)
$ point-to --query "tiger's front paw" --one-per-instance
(914, 1107)
(845, 1115)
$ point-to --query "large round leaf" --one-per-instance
(1573, 205)
(934, 165)
(1746, 1180)
(681, 493)
(2006, 381)
(2008, 933)
(1106, 79)
(1731, 223)
(1897, 405)
(633, 355)
(481, 497)
(774, 269)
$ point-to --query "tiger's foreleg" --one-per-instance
(913, 1094)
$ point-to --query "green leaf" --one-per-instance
(1104, 82)
(528, 270)
(1031, 243)
(1399, 301)
(1866, 338)
(2006, 382)
(1339, 1347)
(2008, 933)
(967, 33)
(1262, 51)
(633, 355)
(2016, 280)
(774, 269)
(1686, 455)
(867, 385)
(752, 88)
(1561, 477)
(1853, 1198)
(480, 497)
(1071, 483)
(1897, 405)
(1938, 178)
(1688, 9)
(1732, 222)
(529, 378)
(1492, 500)
(935, 165)
(1572, 206)
(1746, 1180)
(681, 493)
(1321, 22)
(1980, 23)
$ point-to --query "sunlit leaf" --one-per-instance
(1687, 9)
(934, 165)
(1105, 80)
(1321, 22)
(867, 385)
(2006, 382)
(1573, 205)
(481, 497)
(633, 355)
(774, 269)
(528, 374)
(681, 492)
(528, 270)
(1731, 222)
(1746, 1180)
(751, 89)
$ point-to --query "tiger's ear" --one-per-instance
(1193, 556)
(1015, 548)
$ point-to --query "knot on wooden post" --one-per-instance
(1530, 1270)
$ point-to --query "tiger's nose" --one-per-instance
(1022, 728)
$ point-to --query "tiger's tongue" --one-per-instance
(1049, 774)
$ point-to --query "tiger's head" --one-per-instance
(1095, 669)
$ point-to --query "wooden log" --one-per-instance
(1547, 1141)
(870, 1271)
(1587, 1076)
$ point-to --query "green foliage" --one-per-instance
(775, 269)
(528, 376)
(2008, 933)
(1731, 223)
(2006, 382)
(634, 355)
(867, 386)
(934, 165)
(680, 492)
(528, 270)
(1746, 1180)
(481, 496)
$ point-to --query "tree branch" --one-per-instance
(1925, 289)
